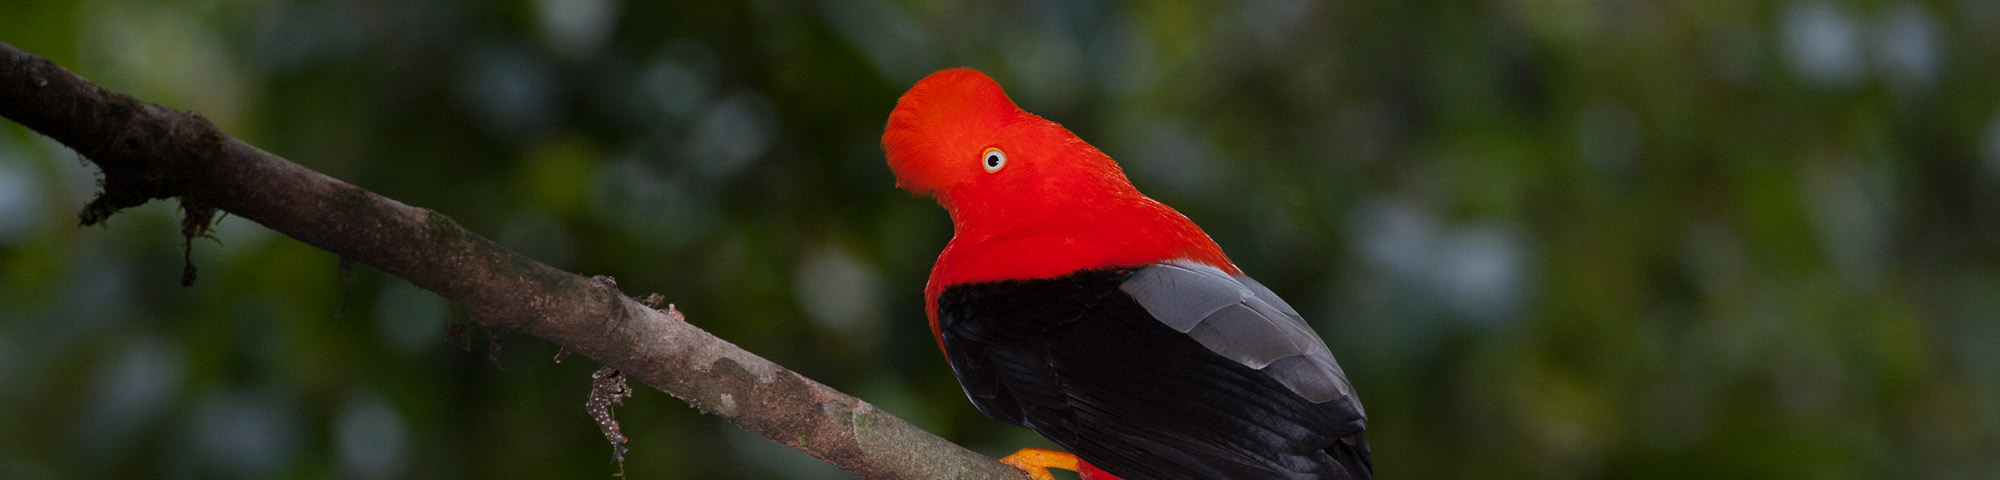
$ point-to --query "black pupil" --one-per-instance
(992, 160)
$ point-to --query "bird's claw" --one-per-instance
(1037, 462)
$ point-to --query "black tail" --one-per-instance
(1352, 453)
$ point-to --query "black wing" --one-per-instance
(1225, 382)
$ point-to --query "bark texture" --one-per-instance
(150, 152)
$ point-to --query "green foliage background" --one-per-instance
(1546, 238)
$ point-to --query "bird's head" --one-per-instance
(957, 136)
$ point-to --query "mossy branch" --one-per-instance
(150, 152)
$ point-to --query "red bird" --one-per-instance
(1071, 304)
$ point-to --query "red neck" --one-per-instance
(1026, 241)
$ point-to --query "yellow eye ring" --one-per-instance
(993, 159)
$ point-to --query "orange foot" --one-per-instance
(1038, 461)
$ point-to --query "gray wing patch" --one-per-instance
(1238, 318)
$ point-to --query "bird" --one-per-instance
(1070, 303)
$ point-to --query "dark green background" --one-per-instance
(1546, 238)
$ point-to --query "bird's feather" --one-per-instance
(1087, 363)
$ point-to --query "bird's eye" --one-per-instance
(994, 159)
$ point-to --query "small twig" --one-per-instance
(197, 221)
(608, 389)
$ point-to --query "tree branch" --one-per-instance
(151, 152)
